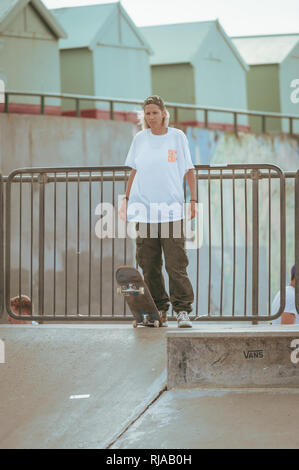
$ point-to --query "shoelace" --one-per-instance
(183, 316)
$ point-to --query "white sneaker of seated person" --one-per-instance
(184, 320)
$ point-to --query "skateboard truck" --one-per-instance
(130, 289)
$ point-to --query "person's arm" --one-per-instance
(287, 318)
(130, 182)
(123, 208)
(192, 187)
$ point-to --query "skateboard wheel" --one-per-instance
(135, 324)
(141, 290)
(156, 323)
(118, 290)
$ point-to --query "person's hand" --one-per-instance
(192, 210)
(123, 210)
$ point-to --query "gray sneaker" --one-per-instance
(184, 320)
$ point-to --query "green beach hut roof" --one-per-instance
(180, 42)
(266, 49)
(86, 25)
(9, 9)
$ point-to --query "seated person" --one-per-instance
(25, 310)
(290, 315)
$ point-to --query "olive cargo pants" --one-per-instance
(152, 238)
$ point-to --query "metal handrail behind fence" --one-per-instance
(176, 107)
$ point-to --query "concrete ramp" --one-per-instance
(69, 386)
(222, 356)
(94, 386)
(217, 419)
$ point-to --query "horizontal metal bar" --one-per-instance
(120, 169)
(248, 318)
(205, 177)
(140, 102)
(70, 318)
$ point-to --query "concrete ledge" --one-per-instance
(253, 356)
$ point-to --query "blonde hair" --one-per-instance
(155, 99)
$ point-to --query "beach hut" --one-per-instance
(105, 55)
(29, 53)
(197, 63)
(273, 68)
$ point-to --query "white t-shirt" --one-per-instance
(161, 161)
(290, 306)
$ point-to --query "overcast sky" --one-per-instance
(238, 17)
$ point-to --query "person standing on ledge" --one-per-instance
(160, 158)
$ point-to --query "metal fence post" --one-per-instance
(236, 124)
(77, 108)
(255, 244)
(1, 248)
(206, 118)
(7, 242)
(111, 111)
(176, 115)
(297, 239)
(263, 124)
(41, 244)
(42, 104)
(6, 102)
(291, 126)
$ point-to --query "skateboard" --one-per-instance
(138, 297)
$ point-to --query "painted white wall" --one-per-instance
(121, 64)
(123, 73)
(220, 79)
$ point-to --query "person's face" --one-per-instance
(154, 115)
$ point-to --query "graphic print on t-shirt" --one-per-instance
(172, 155)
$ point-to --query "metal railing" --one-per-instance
(54, 255)
(249, 209)
(1, 248)
(296, 205)
(176, 107)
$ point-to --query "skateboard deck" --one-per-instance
(138, 297)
